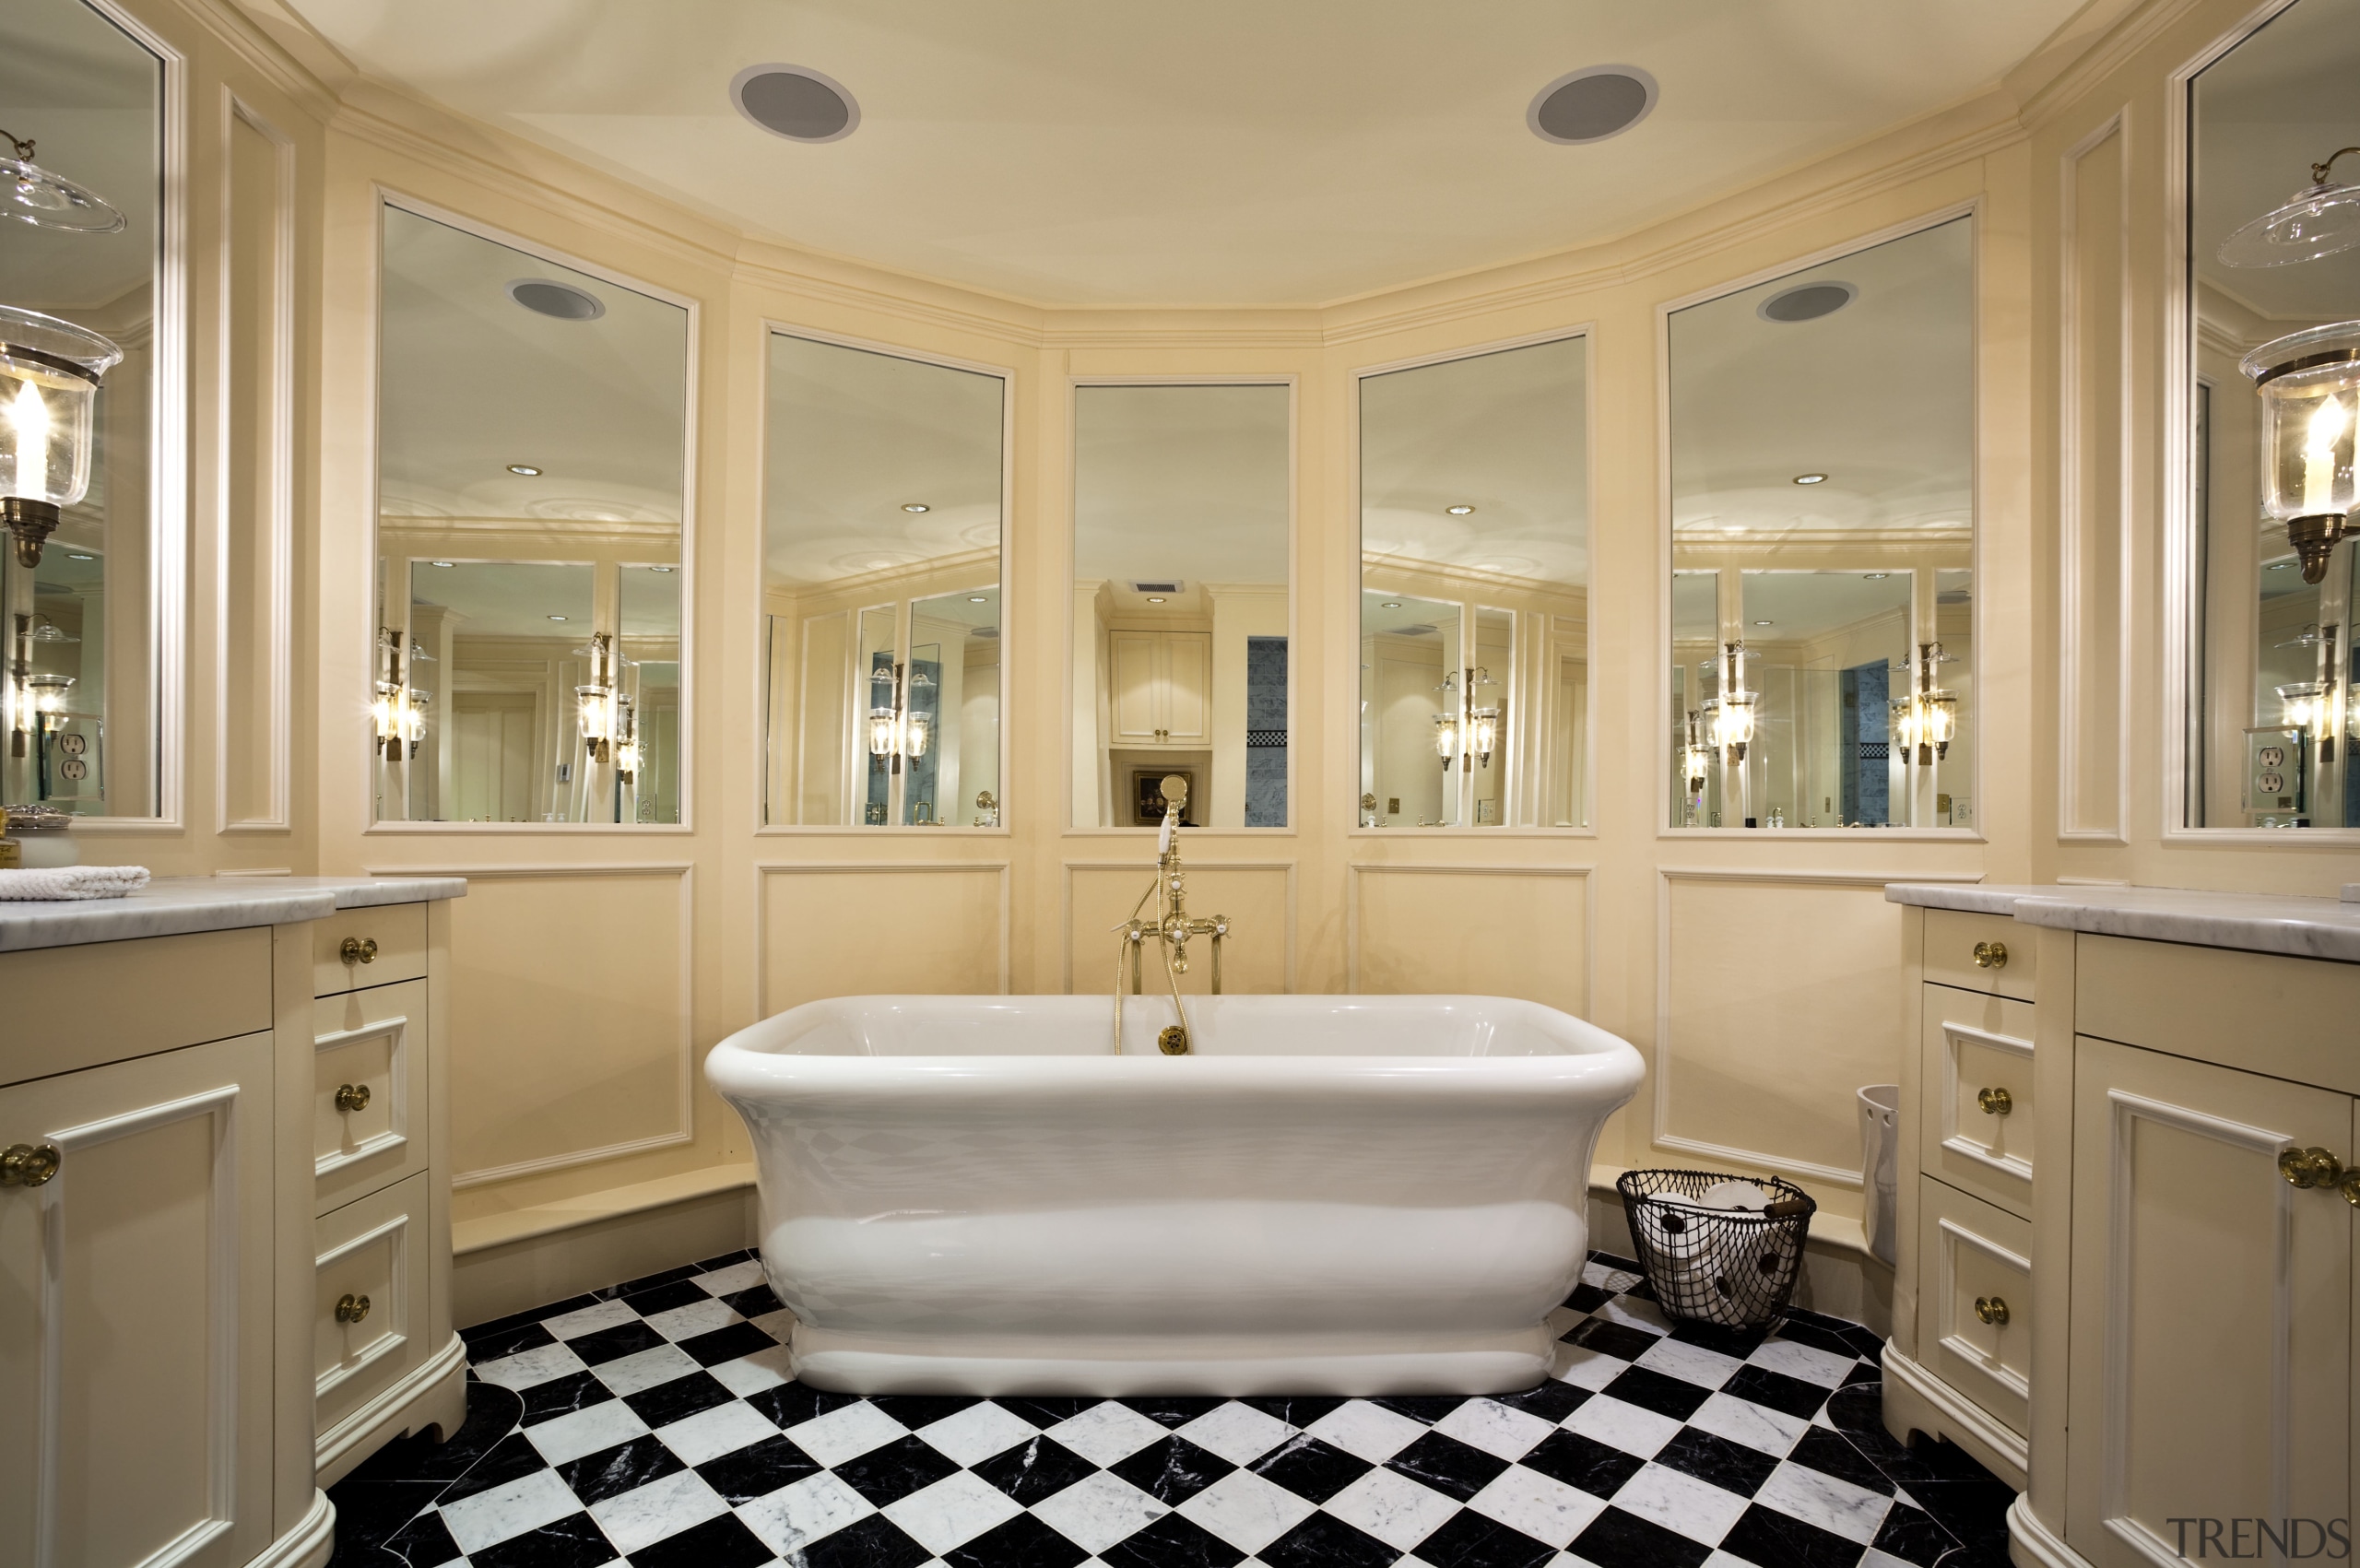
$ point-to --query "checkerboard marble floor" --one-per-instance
(654, 1422)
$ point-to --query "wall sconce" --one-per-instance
(1729, 712)
(49, 387)
(48, 694)
(1924, 721)
(1464, 729)
(1696, 756)
(2307, 382)
(2318, 221)
(596, 698)
(626, 737)
(895, 731)
(398, 718)
(31, 194)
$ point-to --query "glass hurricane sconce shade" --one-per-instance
(1728, 714)
(1695, 757)
(49, 388)
(895, 732)
(2318, 221)
(48, 694)
(34, 195)
(2299, 703)
(1464, 729)
(626, 737)
(596, 698)
(2309, 384)
(1924, 721)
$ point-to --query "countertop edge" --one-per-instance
(179, 906)
(1976, 898)
(2290, 936)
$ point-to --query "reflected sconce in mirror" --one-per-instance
(1466, 729)
(1696, 756)
(626, 737)
(1924, 721)
(895, 732)
(2318, 221)
(35, 196)
(2308, 383)
(597, 699)
(398, 716)
(1729, 712)
(49, 387)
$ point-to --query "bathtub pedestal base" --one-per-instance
(1359, 1366)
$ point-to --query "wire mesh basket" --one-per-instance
(1732, 1267)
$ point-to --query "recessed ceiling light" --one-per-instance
(1810, 478)
(917, 506)
(663, 568)
(1154, 598)
(547, 296)
(1764, 623)
(1460, 510)
(2274, 566)
(795, 102)
(1591, 104)
(524, 469)
(556, 618)
(1807, 301)
(71, 556)
(1391, 603)
(1876, 576)
(979, 598)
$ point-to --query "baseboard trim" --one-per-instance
(308, 1544)
(363, 1432)
(1925, 1402)
(2032, 1544)
(486, 1232)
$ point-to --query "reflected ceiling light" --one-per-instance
(1764, 623)
(979, 598)
(563, 301)
(1460, 510)
(1591, 104)
(1391, 603)
(1807, 301)
(795, 102)
(556, 618)
(2308, 383)
(2318, 221)
(524, 469)
(71, 556)
(442, 563)
(1810, 478)
(1875, 577)
(1155, 598)
(2282, 566)
(663, 568)
(34, 195)
(916, 506)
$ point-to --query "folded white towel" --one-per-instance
(72, 882)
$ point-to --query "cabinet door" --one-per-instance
(1188, 683)
(2211, 1336)
(135, 1314)
(1138, 685)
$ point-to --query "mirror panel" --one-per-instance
(881, 589)
(1475, 591)
(1823, 545)
(532, 448)
(2272, 704)
(81, 693)
(1183, 521)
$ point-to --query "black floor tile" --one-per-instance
(1762, 1386)
(675, 1400)
(368, 1513)
(1174, 1410)
(891, 1473)
(610, 1472)
(493, 1414)
(722, 1542)
(1296, 1409)
(1610, 1339)
(873, 1542)
(1914, 1537)
(1587, 1298)
(511, 1458)
(727, 1344)
(915, 1410)
(1773, 1539)
(489, 1332)
(1172, 1470)
(1449, 1466)
(1173, 1542)
(602, 1344)
(1739, 1343)
(725, 1260)
(1822, 1336)
(424, 1542)
(573, 1542)
(1468, 1539)
(1732, 1466)
(1831, 1453)
(1651, 1390)
(664, 1298)
(1616, 1539)
(791, 1404)
(1583, 1462)
(1551, 1401)
(1023, 1543)
(1324, 1541)
(758, 1470)
(490, 1344)
(753, 1301)
(1048, 1411)
(1310, 1468)
(562, 1397)
(648, 1282)
(1036, 1469)
(1427, 1407)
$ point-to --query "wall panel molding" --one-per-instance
(765, 870)
(1356, 933)
(569, 963)
(1147, 874)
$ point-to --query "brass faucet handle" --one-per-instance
(28, 1165)
(1995, 1102)
(2312, 1167)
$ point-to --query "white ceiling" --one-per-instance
(1878, 395)
(86, 94)
(499, 598)
(1229, 151)
(1187, 482)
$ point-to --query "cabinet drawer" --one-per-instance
(367, 1091)
(1952, 939)
(2290, 1018)
(1970, 1253)
(80, 1007)
(1975, 1089)
(398, 931)
(369, 1299)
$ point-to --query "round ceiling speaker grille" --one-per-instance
(1592, 104)
(1807, 301)
(547, 296)
(795, 102)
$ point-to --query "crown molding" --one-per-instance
(2100, 39)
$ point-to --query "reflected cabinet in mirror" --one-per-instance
(88, 413)
(2274, 288)
(1474, 638)
(532, 428)
(1183, 529)
(1823, 545)
(883, 479)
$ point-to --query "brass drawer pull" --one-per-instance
(352, 1309)
(2350, 1188)
(352, 1097)
(1991, 955)
(2312, 1167)
(358, 949)
(1992, 1310)
(28, 1165)
(1995, 1102)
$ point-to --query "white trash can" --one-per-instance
(1880, 1145)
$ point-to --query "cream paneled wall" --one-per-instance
(1758, 970)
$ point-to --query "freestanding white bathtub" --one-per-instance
(1339, 1195)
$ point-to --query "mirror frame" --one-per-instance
(771, 325)
(364, 640)
(1348, 792)
(1659, 741)
(1296, 686)
(2183, 581)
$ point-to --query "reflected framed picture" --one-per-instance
(1147, 794)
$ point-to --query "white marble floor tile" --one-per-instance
(1545, 1509)
(794, 1516)
(1681, 1502)
(697, 1317)
(1494, 1428)
(646, 1515)
(952, 1512)
(751, 1375)
(1586, 1368)
(736, 1277)
(1817, 1498)
(1622, 1426)
(978, 1432)
(1757, 1426)
(1239, 1433)
(530, 1369)
(708, 1435)
(1690, 1364)
(643, 1370)
(1636, 1312)
(526, 1503)
(1107, 1433)
(590, 1319)
(1393, 1508)
(779, 1324)
(846, 1433)
(1246, 1511)
(1807, 1361)
(603, 1425)
(1365, 1431)
(1097, 1511)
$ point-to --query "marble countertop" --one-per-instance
(2257, 922)
(171, 906)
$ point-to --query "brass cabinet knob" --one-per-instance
(28, 1165)
(2312, 1167)
(1992, 1310)
(352, 1309)
(352, 1097)
(358, 949)
(1991, 955)
(2350, 1188)
(1995, 1102)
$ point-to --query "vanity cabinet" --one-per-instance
(1163, 688)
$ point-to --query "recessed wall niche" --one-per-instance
(1821, 502)
(529, 636)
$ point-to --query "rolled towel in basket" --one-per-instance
(1698, 1257)
(50, 882)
